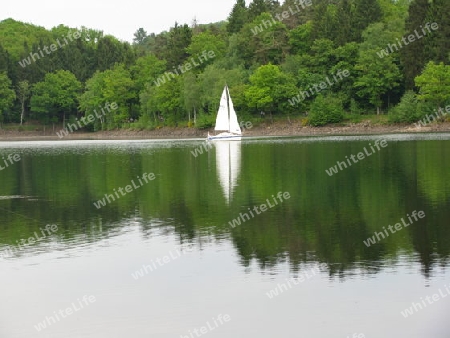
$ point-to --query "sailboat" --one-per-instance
(226, 120)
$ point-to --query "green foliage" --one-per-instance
(206, 42)
(437, 43)
(7, 95)
(111, 51)
(146, 70)
(300, 39)
(55, 96)
(366, 12)
(434, 84)
(164, 102)
(206, 121)
(413, 55)
(114, 85)
(139, 36)
(384, 74)
(325, 20)
(13, 31)
(407, 110)
(325, 110)
(178, 39)
(263, 40)
(270, 89)
(257, 7)
(344, 22)
(237, 17)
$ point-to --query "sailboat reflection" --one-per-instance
(228, 164)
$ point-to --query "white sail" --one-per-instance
(222, 122)
(234, 124)
(226, 116)
(228, 164)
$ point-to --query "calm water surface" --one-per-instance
(162, 260)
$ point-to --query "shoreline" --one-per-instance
(264, 129)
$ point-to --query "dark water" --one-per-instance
(296, 267)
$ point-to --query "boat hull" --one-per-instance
(224, 137)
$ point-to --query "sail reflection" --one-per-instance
(228, 164)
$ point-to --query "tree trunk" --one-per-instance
(23, 110)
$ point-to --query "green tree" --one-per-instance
(366, 12)
(4, 60)
(55, 96)
(7, 95)
(270, 89)
(179, 38)
(269, 44)
(165, 101)
(257, 7)
(108, 87)
(376, 76)
(302, 12)
(300, 39)
(343, 23)
(325, 110)
(139, 36)
(191, 99)
(111, 51)
(345, 58)
(206, 42)
(23, 93)
(413, 55)
(408, 110)
(146, 69)
(237, 17)
(434, 84)
(325, 21)
(438, 43)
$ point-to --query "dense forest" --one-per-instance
(326, 59)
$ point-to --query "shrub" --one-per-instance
(406, 110)
(355, 109)
(205, 121)
(409, 109)
(326, 110)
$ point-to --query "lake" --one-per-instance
(177, 238)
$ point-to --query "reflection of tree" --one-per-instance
(325, 220)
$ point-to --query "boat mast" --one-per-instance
(228, 107)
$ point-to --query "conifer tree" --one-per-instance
(237, 18)
(438, 42)
(366, 12)
(413, 55)
(344, 23)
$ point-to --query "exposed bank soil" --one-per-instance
(264, 129)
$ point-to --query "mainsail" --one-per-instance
(226, 116)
